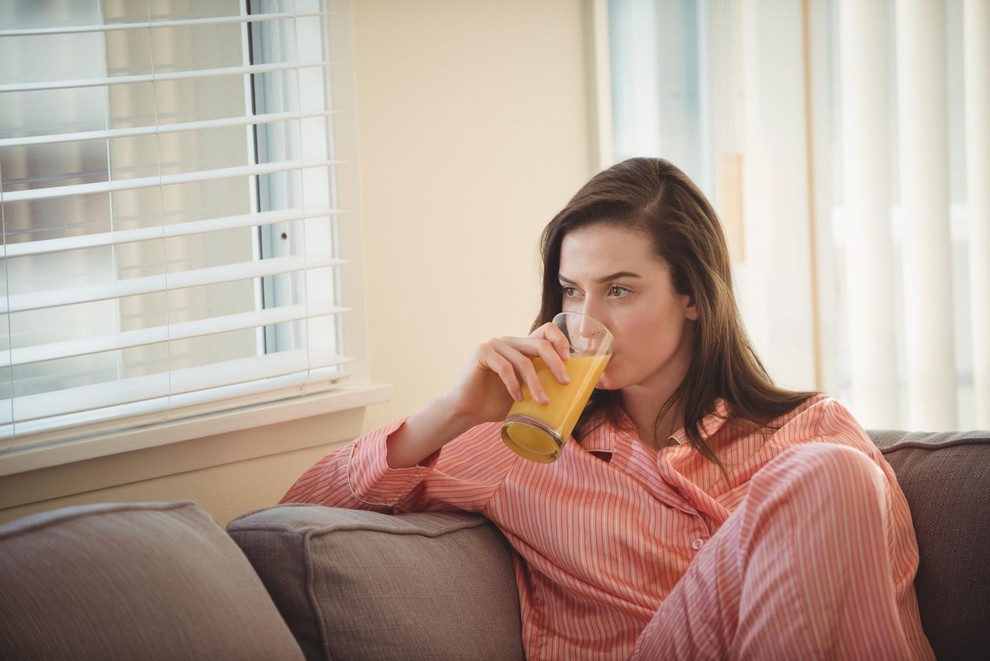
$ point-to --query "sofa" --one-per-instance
(165, 581)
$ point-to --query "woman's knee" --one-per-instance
(837, 475)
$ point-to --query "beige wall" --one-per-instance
(474, 129)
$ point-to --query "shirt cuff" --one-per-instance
(368, 474)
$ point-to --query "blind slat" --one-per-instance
(145, 25)
(178, 127)
(163, 180)
(247, 69)
(142, 414)
(158, 334)
(158, 283)
(255, 369)
(158, 232)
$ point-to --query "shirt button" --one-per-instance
(697, 544)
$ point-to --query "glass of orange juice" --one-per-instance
(538, 431)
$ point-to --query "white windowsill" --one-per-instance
(339, 400)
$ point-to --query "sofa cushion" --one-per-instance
(134, 581)
(946, 478)
(364, 585)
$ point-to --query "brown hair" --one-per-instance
(655, 197)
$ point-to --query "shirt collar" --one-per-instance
(603, 437)
(710, 424)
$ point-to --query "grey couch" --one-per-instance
(164, 581)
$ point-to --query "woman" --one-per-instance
(700, 511)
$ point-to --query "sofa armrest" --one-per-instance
(945, 477)
(365, 585)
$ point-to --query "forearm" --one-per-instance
(424, 433)
(359, 476)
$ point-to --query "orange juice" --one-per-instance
(537, 431)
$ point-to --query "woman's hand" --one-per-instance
(484, 393)
(500, 368)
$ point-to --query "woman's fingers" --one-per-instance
(503, 367)
(556, 350)
(511, 358)
(505, 357)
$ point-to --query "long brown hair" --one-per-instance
(655, 197)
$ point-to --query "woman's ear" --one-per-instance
(690, 310)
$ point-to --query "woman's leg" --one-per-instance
(801, 570)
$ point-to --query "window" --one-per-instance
(178, 210)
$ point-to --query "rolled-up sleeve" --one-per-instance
(357, 476)
(463, 475)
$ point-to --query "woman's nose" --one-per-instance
(588, 326)
(592, 310)
(588, 334)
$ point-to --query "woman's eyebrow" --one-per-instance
(612, 276)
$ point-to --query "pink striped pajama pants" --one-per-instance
(802, 570)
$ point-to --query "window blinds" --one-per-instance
(169, 207)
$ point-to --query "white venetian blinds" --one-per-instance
(169, 208)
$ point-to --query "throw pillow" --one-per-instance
(364, 585)
(132, 581)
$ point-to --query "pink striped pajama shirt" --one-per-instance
(805, 550)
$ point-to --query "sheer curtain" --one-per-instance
(912, 145)
(846, 145)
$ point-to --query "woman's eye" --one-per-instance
(616, 291)
(569, 292)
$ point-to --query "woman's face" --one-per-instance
(612, 274)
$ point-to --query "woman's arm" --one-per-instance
(384, 467)
(465, 477)
(484, 393)
(424, 433)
